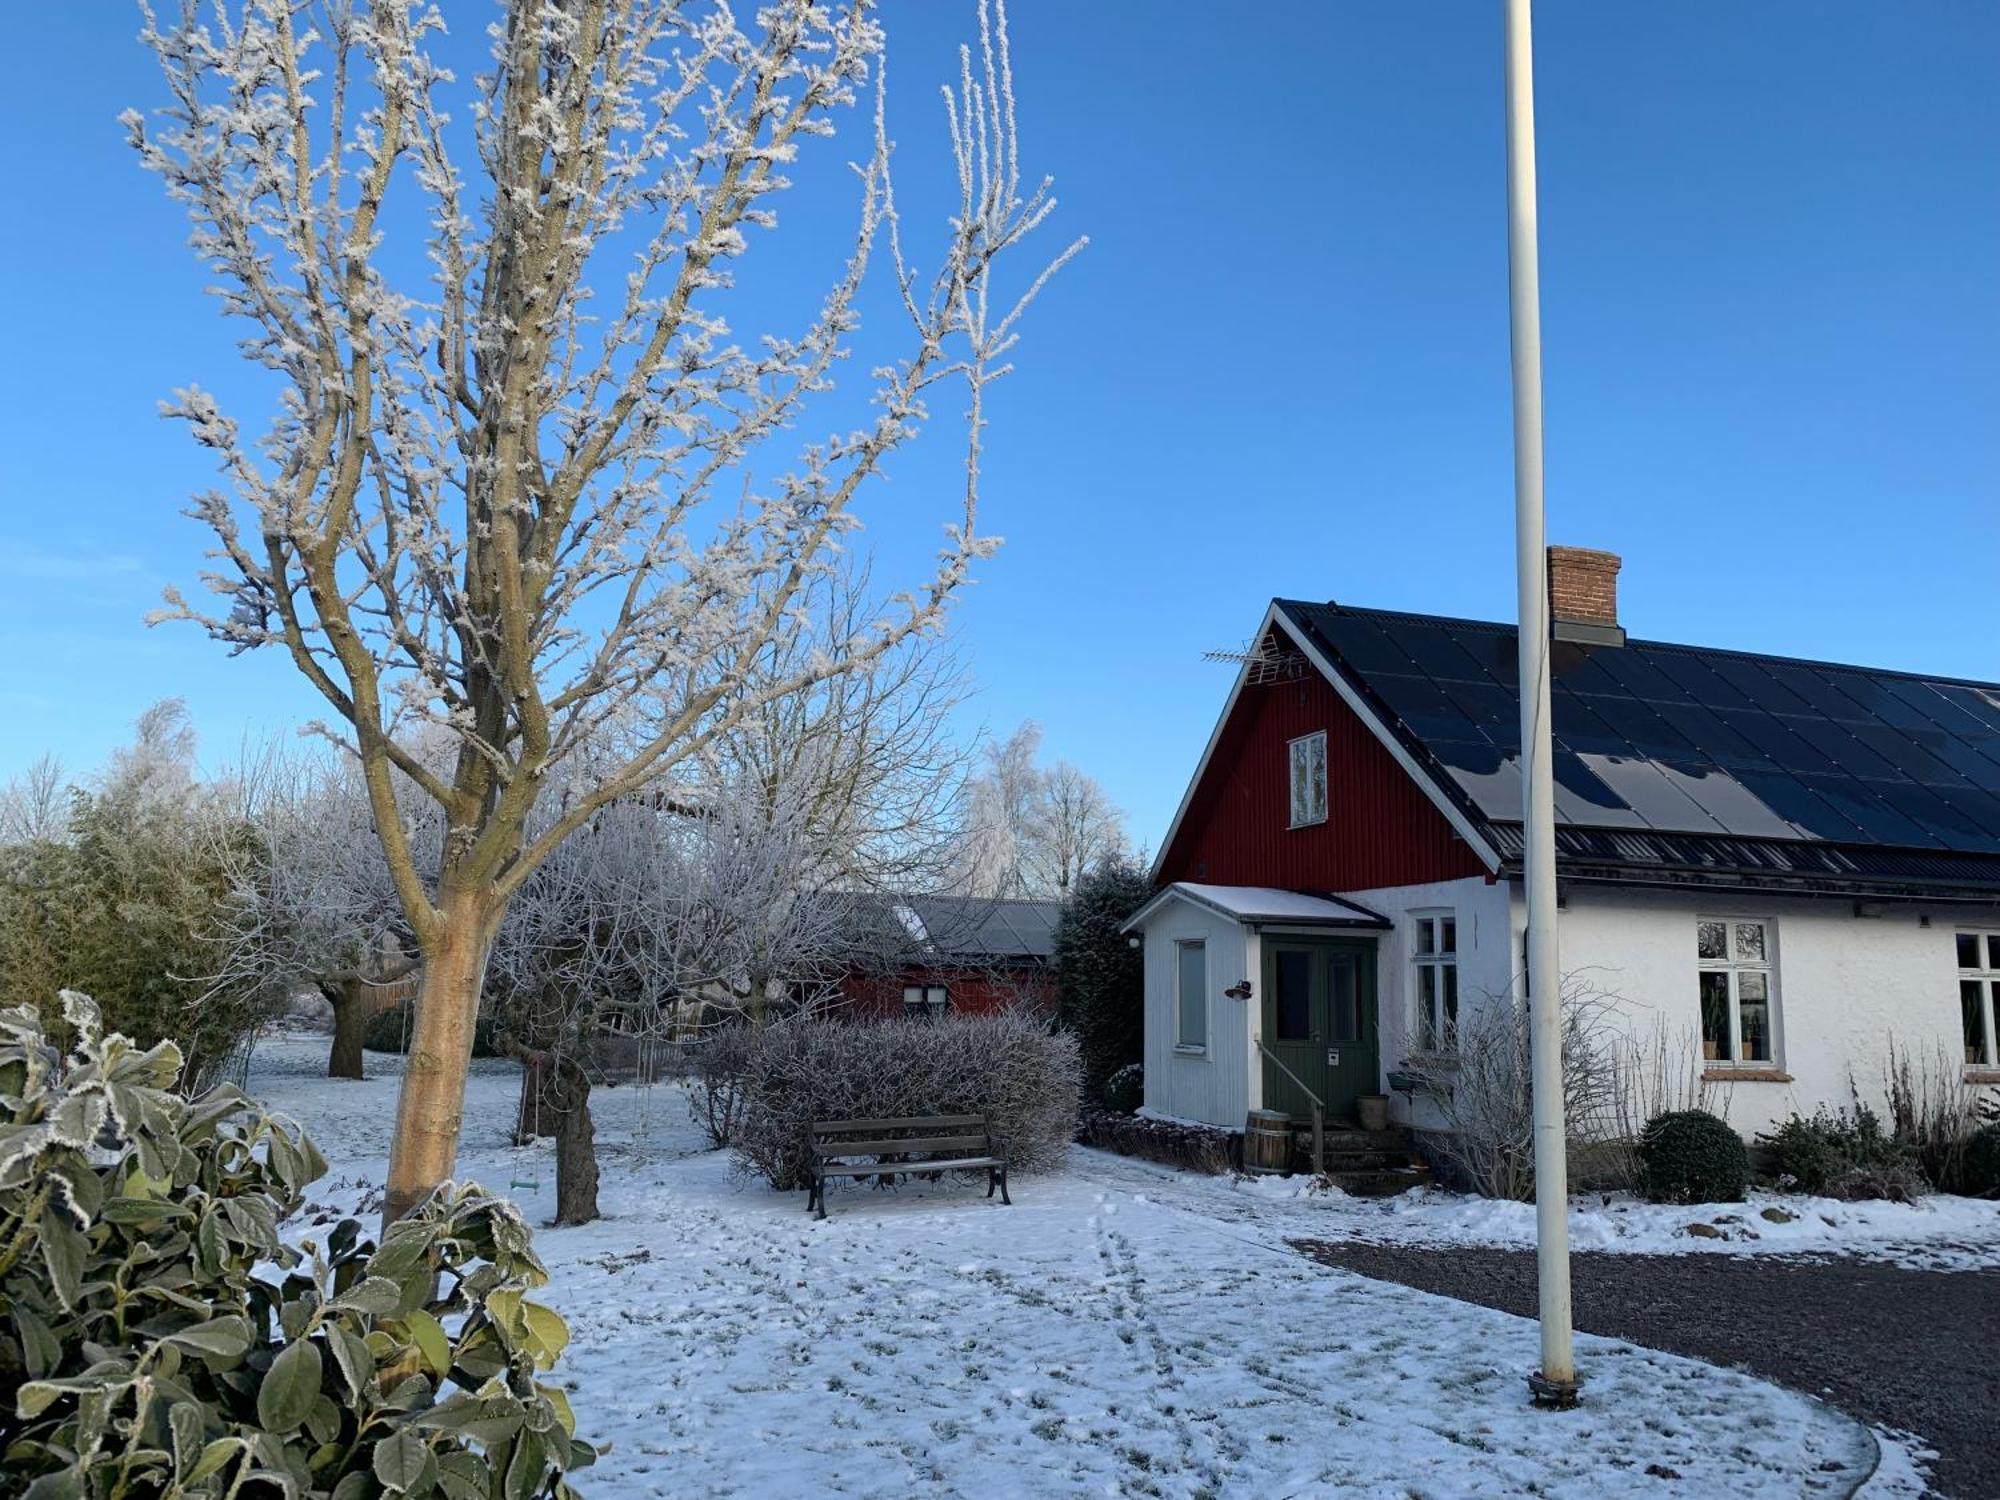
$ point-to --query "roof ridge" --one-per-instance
(1734, 651)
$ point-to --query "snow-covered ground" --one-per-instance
(1123, 1330)
(1940, 1233)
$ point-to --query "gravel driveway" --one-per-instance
(1910, 1349)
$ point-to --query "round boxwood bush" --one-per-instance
(1125, 1090)
(1982, 1162)
(1690, 1156)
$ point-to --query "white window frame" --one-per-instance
(926, 999)
(1735, 967)
(1433, 1031)
(1293, 749)
(1182, 1045)
(1986, 974)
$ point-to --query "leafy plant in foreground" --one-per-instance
(158, 1336)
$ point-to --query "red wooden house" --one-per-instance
(963, 954)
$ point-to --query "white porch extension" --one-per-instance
(1204, 956)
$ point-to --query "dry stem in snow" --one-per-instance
(549, 498)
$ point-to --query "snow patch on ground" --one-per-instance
(1123, 1330)
(1941, 1232)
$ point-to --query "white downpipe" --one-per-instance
(1558, 1372)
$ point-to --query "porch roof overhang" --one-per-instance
(1266, 906)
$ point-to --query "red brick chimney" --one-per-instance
(1583, 596)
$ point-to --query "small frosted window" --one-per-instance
(1308, 773)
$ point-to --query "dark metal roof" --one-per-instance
(960, 929)
(1691, 758)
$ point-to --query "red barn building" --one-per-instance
(964, 954)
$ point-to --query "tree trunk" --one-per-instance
(576, 1146)
(351, 1015)
(540, 1106)
(430, 1110)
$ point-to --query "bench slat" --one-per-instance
(914, 1122)
(885, 1148)
(871, 1169)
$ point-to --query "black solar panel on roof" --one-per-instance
(1683, 740)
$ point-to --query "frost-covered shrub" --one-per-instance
(1844, 1154)
(1690, 1156)
(1199, 1148)
(1125, 1090)
(161, 1339)
(1007, 1065)
(1482, 1091)
(1935, 1114)
(715, 1081)
(1982, 1162)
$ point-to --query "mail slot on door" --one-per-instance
(1333, 1057)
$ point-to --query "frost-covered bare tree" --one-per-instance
(549, 489)
(1031, 832)
(312, 903)
(34, 806)
(999, 806)
(1076, 827)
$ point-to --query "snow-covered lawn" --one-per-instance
(1940, 1233)
(1123, 1330)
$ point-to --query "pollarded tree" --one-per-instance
(540, 494)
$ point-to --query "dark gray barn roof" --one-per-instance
(1693, 759)
(961, 929)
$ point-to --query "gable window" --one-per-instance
(1434, 961)
(1979, 996)
(1191, 996)
(1737, 990)
(926, 999)
(1308, 768)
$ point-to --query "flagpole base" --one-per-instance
(1554, 1395)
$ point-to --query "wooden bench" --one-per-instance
(924, 1143)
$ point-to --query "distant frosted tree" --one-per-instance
(545, 490)
(1033, 832)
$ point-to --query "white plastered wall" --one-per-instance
(1485, 966)
(1847, 986)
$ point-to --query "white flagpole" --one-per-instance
(1555, 1383)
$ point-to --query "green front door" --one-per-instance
(1319, 1022)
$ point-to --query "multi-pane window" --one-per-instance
(925, 999)
(1191, 995)
(1979, 996)
(1434, 960)
(1735, 964)
(1308, 764)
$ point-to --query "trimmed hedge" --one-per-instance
(1690, 1156)
(389, 1031)
(1198, 1148)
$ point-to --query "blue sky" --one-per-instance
(1771, 278)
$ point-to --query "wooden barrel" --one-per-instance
(1267, 1141)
